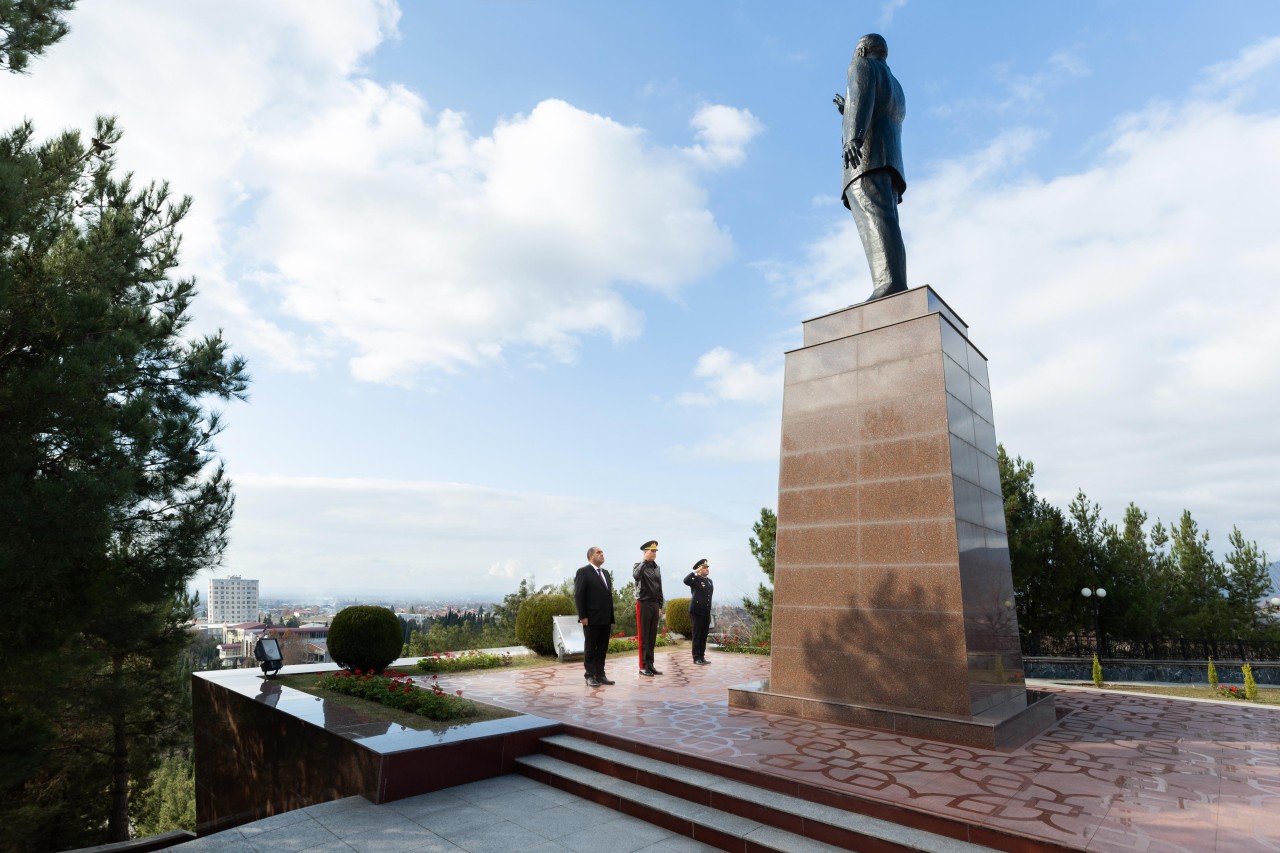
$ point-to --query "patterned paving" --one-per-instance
(1117, 773)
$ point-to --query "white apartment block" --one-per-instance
(232, 600)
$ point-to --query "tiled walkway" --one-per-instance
(1118, 773)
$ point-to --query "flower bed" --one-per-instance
(619, 643)
(740, 642)
(395, 690)
(463, 661)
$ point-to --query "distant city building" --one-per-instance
(232, 600)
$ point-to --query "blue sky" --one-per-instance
(516, 278)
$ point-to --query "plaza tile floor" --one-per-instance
(1116, 773)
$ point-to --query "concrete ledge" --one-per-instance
(142, 845)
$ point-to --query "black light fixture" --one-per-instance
(1097, 595)
(267, 650)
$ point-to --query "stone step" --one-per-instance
(701, 823)
(725, 813)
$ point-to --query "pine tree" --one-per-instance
(1200, 582)
(110, 497)
(1043, 553)
(764, 548)
(28, 27)
(1248, 582)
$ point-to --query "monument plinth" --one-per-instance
(893, 597)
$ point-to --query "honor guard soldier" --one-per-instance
(649, 601)
(700, 608)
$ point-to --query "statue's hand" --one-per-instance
(852, 156)
(838, 100)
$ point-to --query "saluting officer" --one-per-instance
(649, 601)
(700, 608)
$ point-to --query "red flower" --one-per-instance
(459, 692)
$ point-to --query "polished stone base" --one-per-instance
(1004, 731)
(262, 749)
(892, 587)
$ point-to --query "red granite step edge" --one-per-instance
(975, 833)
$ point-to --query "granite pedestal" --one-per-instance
(893, 597)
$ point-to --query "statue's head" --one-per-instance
(873, 45)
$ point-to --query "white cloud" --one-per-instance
(1128, 309)
(1023, 92)
(1241, 69)
(755, 440)
(731, 378)
(509, 569)
(318, 536)
(466, 246)
(336, 214)
(889, 10)
(723, 134)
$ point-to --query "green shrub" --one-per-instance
(1213, 674)
(1097, 672)
(678, 616)
(761, 632)
(533, 622)
(624, 644)
(366, 638)
(1250, 686)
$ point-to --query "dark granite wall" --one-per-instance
(263, 749)
(1081, 669)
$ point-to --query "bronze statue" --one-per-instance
(873, 108)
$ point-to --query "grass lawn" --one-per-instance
(1266, 695)
(306, 682)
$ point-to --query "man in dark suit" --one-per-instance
(700, 608)
(593, 596)
(873, 108)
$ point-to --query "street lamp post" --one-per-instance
(1096, 595)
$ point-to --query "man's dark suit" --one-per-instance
(594, 600)
(873, 180)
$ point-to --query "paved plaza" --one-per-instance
(1118, 772)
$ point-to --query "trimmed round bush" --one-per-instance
(678, 616)
(365, 637)
(533, 622)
